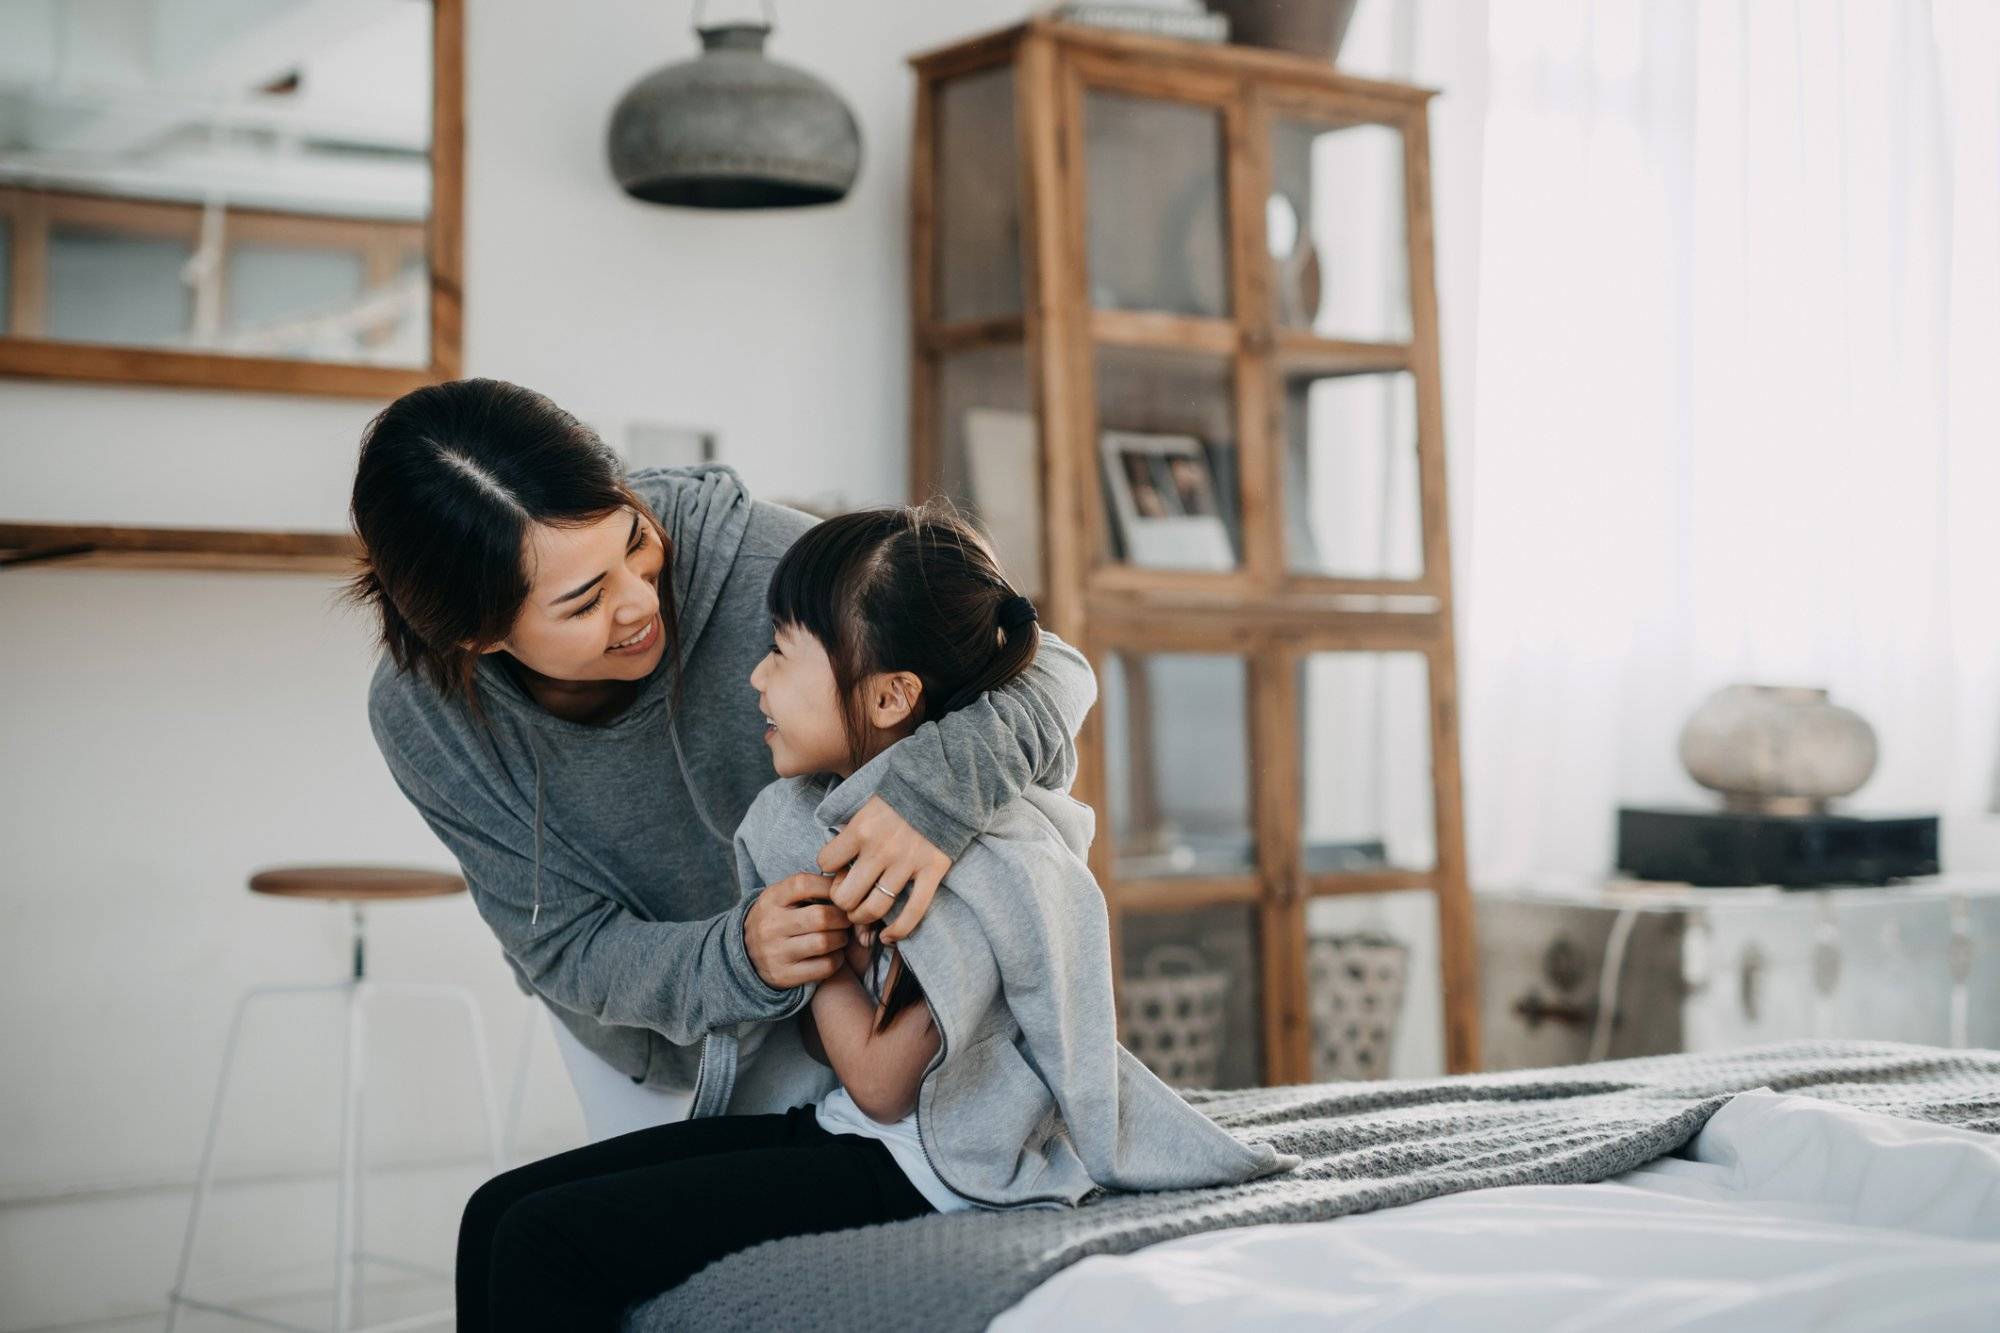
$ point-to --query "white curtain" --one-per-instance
(1729, 281)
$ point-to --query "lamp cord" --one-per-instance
(770, 14)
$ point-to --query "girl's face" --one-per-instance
(593, 608)
(800, 700)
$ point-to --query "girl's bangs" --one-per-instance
(806, 586)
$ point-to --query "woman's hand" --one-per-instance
(881, 851)
(794, 935)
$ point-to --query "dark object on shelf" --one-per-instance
(1717, 849)
(1334, 858)
(1303, 27)
(734, 129)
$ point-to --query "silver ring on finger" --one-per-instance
(884, 892)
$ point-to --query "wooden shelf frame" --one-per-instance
(1268, 615)
(40, 546)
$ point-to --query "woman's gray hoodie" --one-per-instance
(601, 856)
(1030, 1100)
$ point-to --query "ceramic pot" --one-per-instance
(733, 128)
(1777, 749)
(1303, 27)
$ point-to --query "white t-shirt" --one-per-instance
(838, 1114)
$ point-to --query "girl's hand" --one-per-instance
(879, 850)
(858, 940)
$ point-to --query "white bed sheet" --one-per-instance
(1786, 1213)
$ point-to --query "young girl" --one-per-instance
(974, 1065)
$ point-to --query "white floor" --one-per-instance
(381, 1303)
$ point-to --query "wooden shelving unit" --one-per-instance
(1226, 253)
(25, 546)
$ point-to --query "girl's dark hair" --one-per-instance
(915, 590)
(909, 589)
(450, 480)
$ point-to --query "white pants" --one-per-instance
(612, 1103)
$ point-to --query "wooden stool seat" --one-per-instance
(355, 884)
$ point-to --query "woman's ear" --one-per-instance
(893, 697)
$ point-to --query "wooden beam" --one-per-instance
(1173, 333)
(28, 266)
(1185, 895)
(1301, 352)
(925, 451)
(25, 546)
(445, 256)
(995, 331)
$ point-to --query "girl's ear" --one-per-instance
(893, 697)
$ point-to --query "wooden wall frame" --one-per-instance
(40, 358)
(1263, 612)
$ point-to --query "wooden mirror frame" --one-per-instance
(42, 358)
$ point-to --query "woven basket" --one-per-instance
(1357, 984)
(1172, 1015)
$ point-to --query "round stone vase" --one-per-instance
(1777, 749)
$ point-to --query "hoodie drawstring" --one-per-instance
(694, 794)
(535, 917)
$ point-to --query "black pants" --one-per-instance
(570, 1241)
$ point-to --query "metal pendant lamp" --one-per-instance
(734, 129)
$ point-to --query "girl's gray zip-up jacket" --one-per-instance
(1030, 1101)
(601, 857)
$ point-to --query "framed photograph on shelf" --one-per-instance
(1163, 500)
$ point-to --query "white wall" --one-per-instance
(166, 734)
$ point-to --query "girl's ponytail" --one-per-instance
(1018, 639)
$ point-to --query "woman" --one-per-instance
(561, 698)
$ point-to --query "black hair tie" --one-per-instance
(1015, 612)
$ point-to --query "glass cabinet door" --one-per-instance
(1177, 764)
(1190, 998)
(989, 453)
(1353, 495)
(1154, 216)
(1168, 460)
(1374, 986)
(1366, 799)
(978, 241)
(1335, 227)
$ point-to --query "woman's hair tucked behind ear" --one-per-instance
(910, 589)
(450, 480)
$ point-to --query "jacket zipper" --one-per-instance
(700, 1073)
(944, 1047)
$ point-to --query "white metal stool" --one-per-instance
(357, 886)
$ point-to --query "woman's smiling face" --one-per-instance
(800, 700)
(593, 607)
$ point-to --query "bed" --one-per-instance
(1843, 1185)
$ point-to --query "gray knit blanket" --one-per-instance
(1365, 1145)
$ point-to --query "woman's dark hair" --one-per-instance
(451, 478)
(915, 590)
(909, 589)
